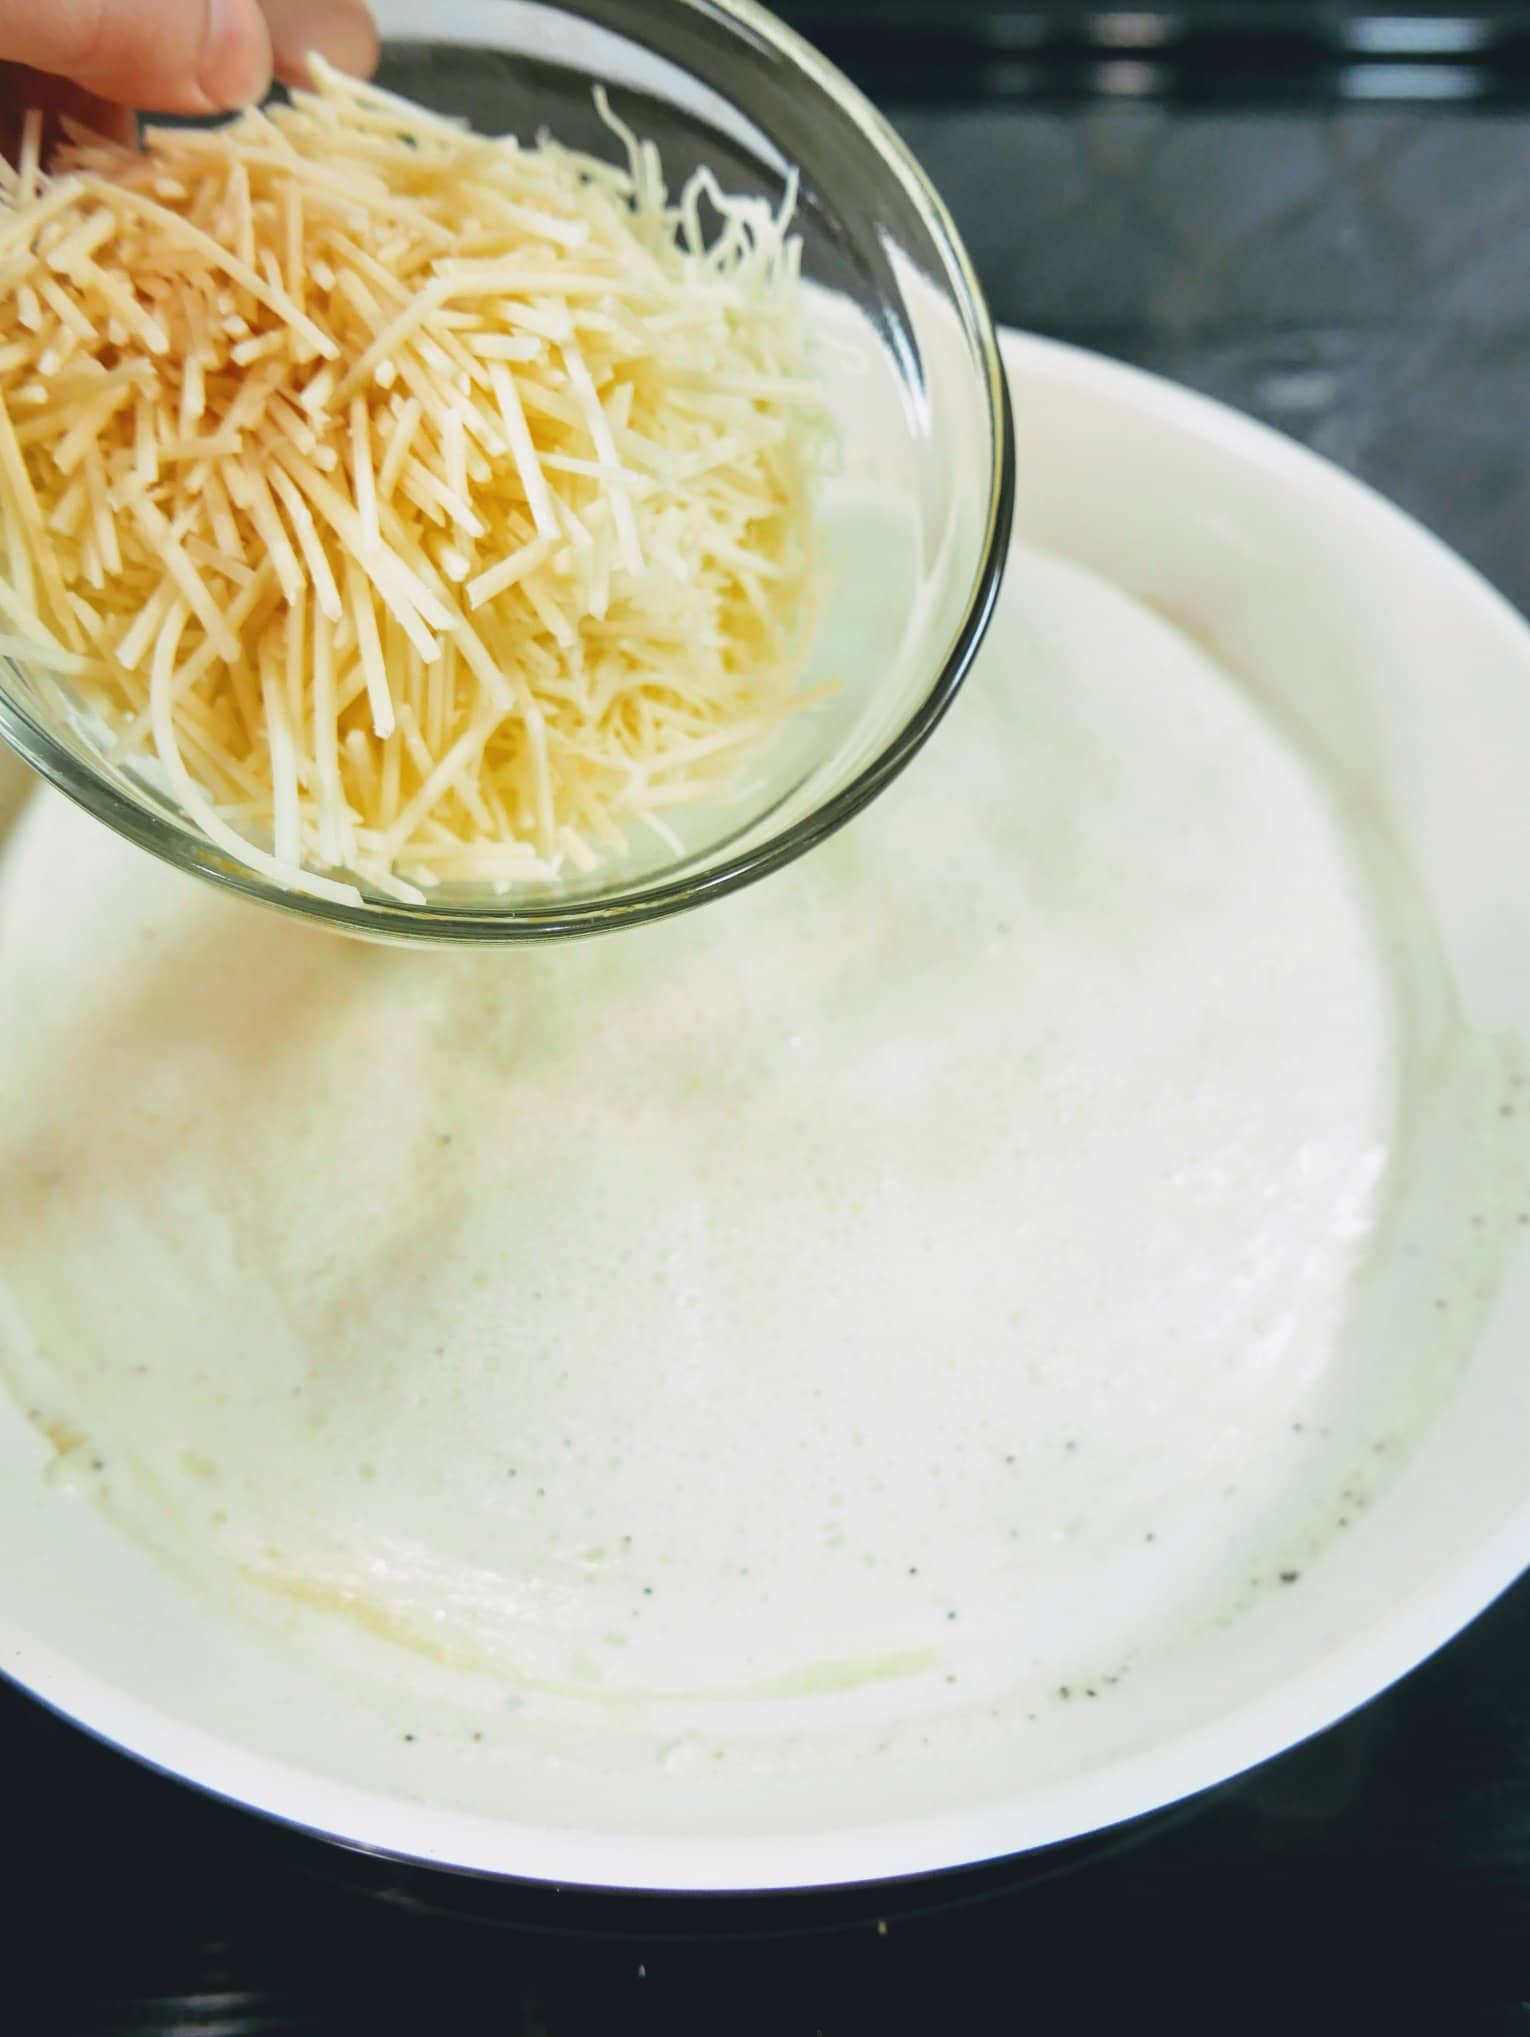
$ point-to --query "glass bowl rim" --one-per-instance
(661, 898)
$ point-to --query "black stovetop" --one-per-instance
(1376, 1878)
(1328, 226)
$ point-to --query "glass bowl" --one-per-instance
(915, 516)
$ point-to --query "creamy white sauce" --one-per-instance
(929, 1264)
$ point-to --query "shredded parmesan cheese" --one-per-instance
(429, 510)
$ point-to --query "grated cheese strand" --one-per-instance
(419, 510)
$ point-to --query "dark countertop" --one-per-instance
(1358, 275)
(1376, 1878)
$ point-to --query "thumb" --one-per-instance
(168, 56)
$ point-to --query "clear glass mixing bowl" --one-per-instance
(916, 515)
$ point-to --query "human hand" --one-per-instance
(96, 59)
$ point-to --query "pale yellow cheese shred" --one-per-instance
(424, 510)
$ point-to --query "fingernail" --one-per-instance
(340, 31)
(236, 54)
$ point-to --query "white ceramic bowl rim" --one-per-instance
(1399, 1634)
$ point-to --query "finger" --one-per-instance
(169, 56)
(339, 30)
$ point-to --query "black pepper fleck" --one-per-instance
(409, 1736)
(1289, 1576)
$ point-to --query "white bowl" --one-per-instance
(1405, 681)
